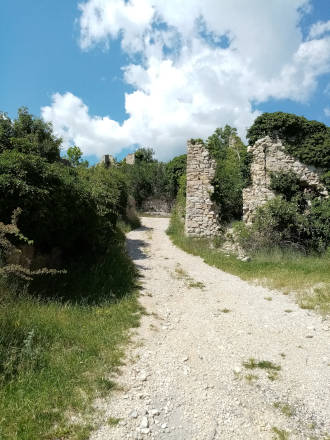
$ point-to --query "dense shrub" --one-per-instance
(175, 168)
(309, 141)
(29, 135)
(288, 184)
(69, 208)
(281, 223)
(146, 178)
(232, 172)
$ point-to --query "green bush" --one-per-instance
(309, 141)
(29, 135)
(280, 223)
(70, 209)
(232, 172)
(175, 168)
(146, 178)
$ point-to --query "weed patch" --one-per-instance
(252, 364)
(56, 354)
(280, 434)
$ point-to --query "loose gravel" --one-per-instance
(184, 376)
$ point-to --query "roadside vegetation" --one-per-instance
(68, 290)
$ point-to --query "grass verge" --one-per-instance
(57, 355)
(307, 276)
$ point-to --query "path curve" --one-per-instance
(184, 377)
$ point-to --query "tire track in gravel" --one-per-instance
(184, 377)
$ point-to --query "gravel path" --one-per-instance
(184, 377)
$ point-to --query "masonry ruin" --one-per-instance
(130, 159)
(268, 155)
(107, 160)
(201, 212)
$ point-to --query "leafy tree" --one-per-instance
(74, 155)
(30, 135)
(147, 179)
(309, 141)
(232, 171)
(175, 168)
(145, 155)
(72, 209)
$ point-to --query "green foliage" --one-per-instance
(146, 178)
(175, 168)
(29, 135)
(309, 141)
(288, 184)
(74, 155)
(70, 209)
(54, 349)
(144, 155)
(52, 198)
(326, 180)
(54, 353)
(281, 223)
(196, 141)
(176, 226)
(15, 269)
(232, 171)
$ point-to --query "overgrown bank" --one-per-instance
(62, 331)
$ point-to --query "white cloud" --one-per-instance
(319, 29)
(327, 111)
(72, 122)
(185, 84)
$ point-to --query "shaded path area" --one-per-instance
(216, 357)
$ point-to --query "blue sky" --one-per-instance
(111, 78)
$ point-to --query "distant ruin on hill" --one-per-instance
(108, 160)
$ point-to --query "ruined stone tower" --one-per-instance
(201, 214)
(268, 155)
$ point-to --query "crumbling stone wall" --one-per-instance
(130, 159)
(201, 213)
(157, 205)
(107, 160)
(269, 155)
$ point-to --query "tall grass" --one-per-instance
(289, 271)
(56, 355)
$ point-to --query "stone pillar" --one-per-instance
(130, 159)
(201, 213)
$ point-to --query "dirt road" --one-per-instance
(185, 378)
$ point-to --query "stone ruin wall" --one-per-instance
(130, 159)
(201, 213)
(269, 155)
